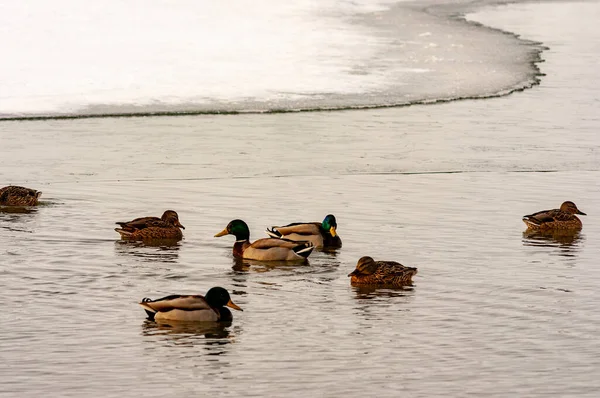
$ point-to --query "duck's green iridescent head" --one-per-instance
(365, 266)
(238, 228)
(219, 297)
(329, 224)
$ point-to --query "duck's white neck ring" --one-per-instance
(241, 241)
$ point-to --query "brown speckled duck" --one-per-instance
(322, 235)
(555, 219)
(191, 308)
(388, 273)
(267, 249)
(152, 228)
(13, 195)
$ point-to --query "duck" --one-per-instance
(192, 308)
(323, 235)
(13, 195)
(266, 249)
(152, 228)
(388, 273)
(555, 219)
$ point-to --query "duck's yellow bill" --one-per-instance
(222, 233)
(332, 231)
(231, 304)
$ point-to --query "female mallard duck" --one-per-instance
(267, 249)
(13, 195)
(563, 218)
(323, 235)
(191, 308)
(152, 228)
(389, 273)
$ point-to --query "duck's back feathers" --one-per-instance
(311, 232)
(14, 195)
(138, 223)
(311, 228)
(180, 308)
(270, 249)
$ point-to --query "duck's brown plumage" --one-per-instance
(563, 218)
(388, 273)
(14, 195)
(152, 228)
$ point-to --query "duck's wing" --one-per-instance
(311, 228)
(140, 223)
(546, 216)
(269, 243)
(394, 268)
(175, 302)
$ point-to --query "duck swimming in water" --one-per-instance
(267, 249)
(555, 219)
(388, 273)
(209, 308)
(14, 195)
(152, 228)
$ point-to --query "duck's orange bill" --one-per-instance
(222, 233)
(332, 231)
(231, 304)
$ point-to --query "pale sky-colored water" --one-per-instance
(129, 56)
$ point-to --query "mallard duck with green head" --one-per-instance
(323, 235)
(388, 273)
(555, 219)
(14, 195)
(209, 308)
(152, 228)
(267, 249)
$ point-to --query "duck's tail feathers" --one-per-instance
(531, 222)
(273, 233)
(150, 312)
(124, 234)
(304, 249)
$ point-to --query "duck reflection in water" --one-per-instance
(246, 265)
(16, 211)
(190, 333)
(368, 292)
(17, 219)
(148, 252)
(567, 241)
